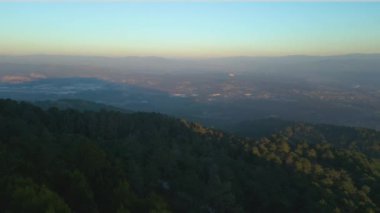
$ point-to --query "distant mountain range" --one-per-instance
(176, 64)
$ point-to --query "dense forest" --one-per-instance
(64, 160)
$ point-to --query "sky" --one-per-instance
(189, 29)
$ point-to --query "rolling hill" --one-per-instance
(66, 160)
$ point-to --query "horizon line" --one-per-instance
(187, 1)
(184, 57)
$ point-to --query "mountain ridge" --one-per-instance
(107, 161)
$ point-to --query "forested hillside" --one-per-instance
(81, 161)
(361, 139)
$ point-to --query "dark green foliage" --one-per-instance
(362, 139)
(23, 195)
(72, 161)
(77, 104)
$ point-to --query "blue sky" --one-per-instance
(196, 29)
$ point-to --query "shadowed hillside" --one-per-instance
(85, 161)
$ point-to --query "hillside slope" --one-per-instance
(361, 139)
(107, 161)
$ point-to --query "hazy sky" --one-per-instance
(194, 29)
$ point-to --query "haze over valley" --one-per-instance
(341, 90)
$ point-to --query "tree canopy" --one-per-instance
(106, 161)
